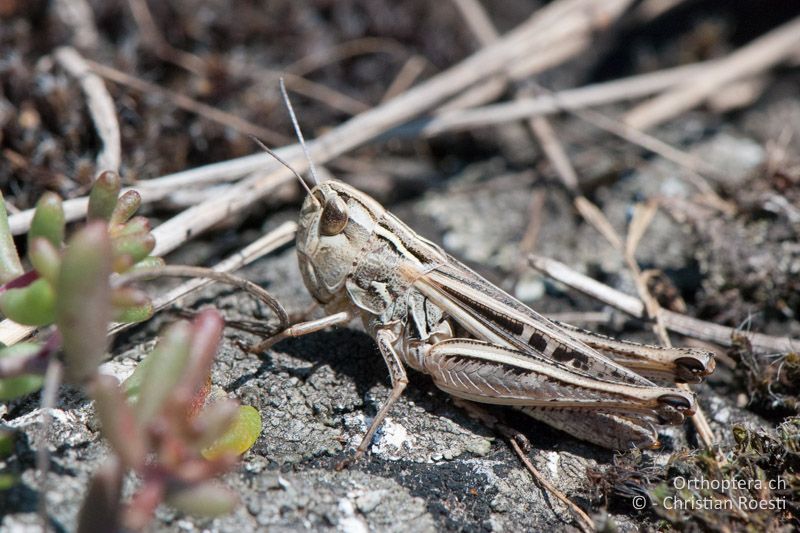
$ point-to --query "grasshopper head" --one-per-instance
(336, 222)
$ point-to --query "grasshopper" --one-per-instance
(428, 311)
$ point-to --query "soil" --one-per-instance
(431, 467)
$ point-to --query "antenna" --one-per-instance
(281, 161)
(284, 163)
(298, 132)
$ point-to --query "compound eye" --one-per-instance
(334, 217)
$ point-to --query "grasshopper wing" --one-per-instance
(490, 314)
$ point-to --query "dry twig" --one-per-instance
(157, 189)
(584, 521)
(750, 60)
(455, 118)
(565, 29)
(356, 47)
(257, 249)
(677, 322)
(100, 104)
(188, 104)
(78, 16)
(360, 129)
(408, 74)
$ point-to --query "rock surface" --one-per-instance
(430, 466)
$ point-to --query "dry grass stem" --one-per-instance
(454, 117)
(358, 130)
(265, 244)
(754, 58)
(677, 322)
(478, 20)
(78, 16)
(583, 520)
(101, 107)
(544, 133)
(189, 104)
(564, 29)
(696, 167)
(411, 70)
(152, 38)
(12, 333)
(157, 189)
(642, 217)
(346, 50)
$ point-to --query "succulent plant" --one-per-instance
(163, 425)
(68, 284)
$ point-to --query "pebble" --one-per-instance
(368, 501)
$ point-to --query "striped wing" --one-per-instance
(491, 314)
(484, 306)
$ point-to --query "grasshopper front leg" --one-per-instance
(304, 328)
(385, 339)
(397, 372)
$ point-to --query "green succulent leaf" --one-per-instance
(7, 480)
(84, 300)
(133, 384)
(11, 388)
(17, 387)
(134, 247)
(134, 314)
(126, 207)
(48, 220)
(239, 437)
(33, 305)
(6, 442)
(118, 421)
(214, 421)
(45, 258)
(164, 370)
(10, 266)
(148, 263)
(131, 305)
(132, 227)
(103, 196)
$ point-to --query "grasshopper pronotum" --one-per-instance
(428, 311)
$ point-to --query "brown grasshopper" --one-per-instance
(428, 311)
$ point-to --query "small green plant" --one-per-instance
(163, 425)
(67, 284)
(7, 479)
